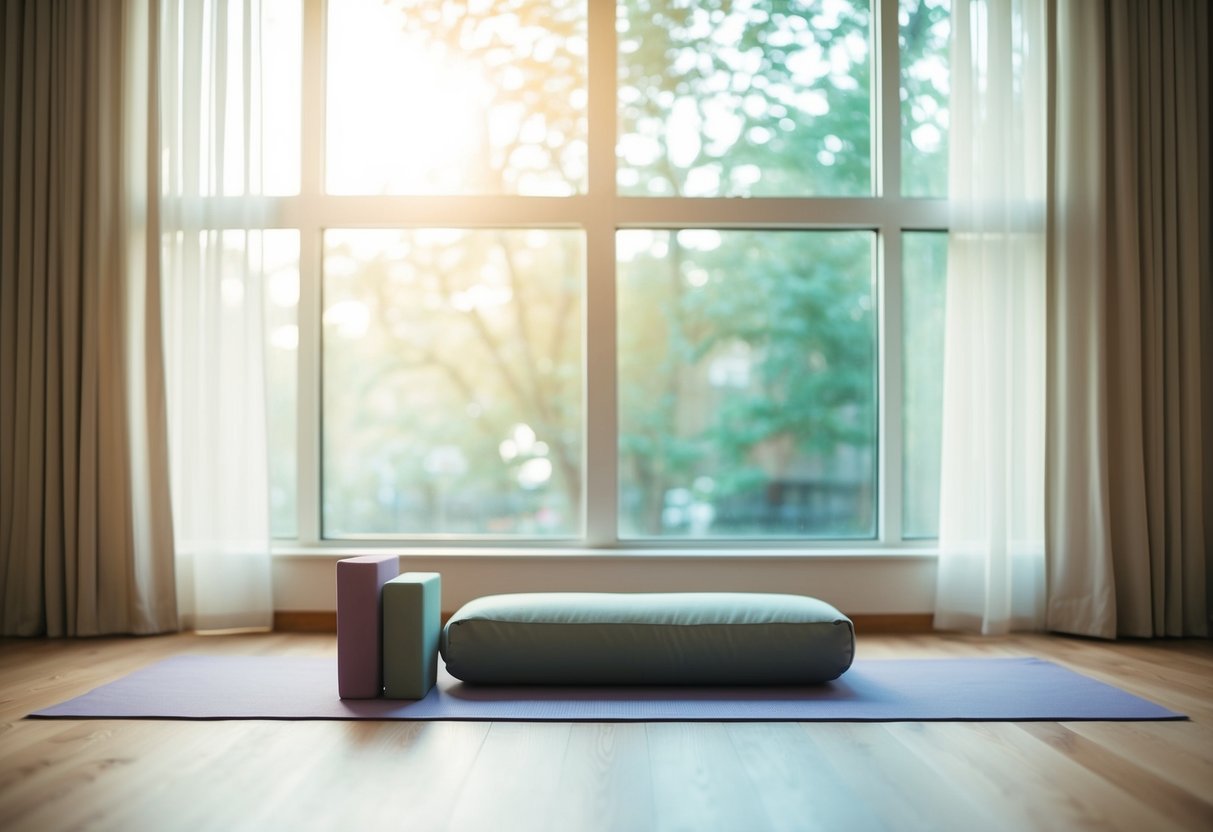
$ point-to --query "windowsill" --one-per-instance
(860, 577)
(704, 551)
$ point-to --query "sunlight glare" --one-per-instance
(417, 126)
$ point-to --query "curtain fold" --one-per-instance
(211, 207)
(1131, 292)
(86, 542)
(991, 531)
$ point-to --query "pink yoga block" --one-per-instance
(359, 632)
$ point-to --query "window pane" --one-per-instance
(427, 97)
(744, 98)
(282, 67)
(747, 378)
(279, 250)
(926, 30)
(924, 282)
(453, 382)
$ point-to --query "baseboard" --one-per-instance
(314, 621)
(886, 623)
(325, 621)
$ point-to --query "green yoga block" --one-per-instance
(412, 623)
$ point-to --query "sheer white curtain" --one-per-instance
(213, 324)
(991, 533)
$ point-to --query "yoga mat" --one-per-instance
(260, 687)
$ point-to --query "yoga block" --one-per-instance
(359, 657)
(412, 622)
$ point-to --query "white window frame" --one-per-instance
(600, 212)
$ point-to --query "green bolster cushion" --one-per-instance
(691, 638)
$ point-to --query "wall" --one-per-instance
(856, 584)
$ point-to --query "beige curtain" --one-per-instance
(1130, 364)
(86, 541)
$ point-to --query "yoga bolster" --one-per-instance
(720, 638)
(359, 658)
(412, 621)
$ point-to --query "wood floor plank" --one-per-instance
(109, 776)
(252, 779)
(902, 792)
(388, 775)
(800, 789)
(1183, 809)
(1180, 753)
(605, 782)
(513, 781)
(961, 763)
(38, 776)
(699, 783)
(1020, 787)
(1068, 788)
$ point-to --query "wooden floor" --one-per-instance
(347, 776)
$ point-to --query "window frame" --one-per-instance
(599, 212)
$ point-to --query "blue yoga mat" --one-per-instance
(260, 687)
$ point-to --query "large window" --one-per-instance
(579, 273)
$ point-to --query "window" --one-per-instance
(453, 381)
(747, 383)
(591, 274)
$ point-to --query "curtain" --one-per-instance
(991, 531)
(86, 540)
(213, 319)
(1130, 483)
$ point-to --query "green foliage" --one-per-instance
(779, 92)
(924, 44)
(759, 369)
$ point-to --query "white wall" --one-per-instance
(856, 584)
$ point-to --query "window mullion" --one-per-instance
(313, 99)
(601, 493)
(310, 529)
(886, 119)
(889, 340)
(886, 100)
